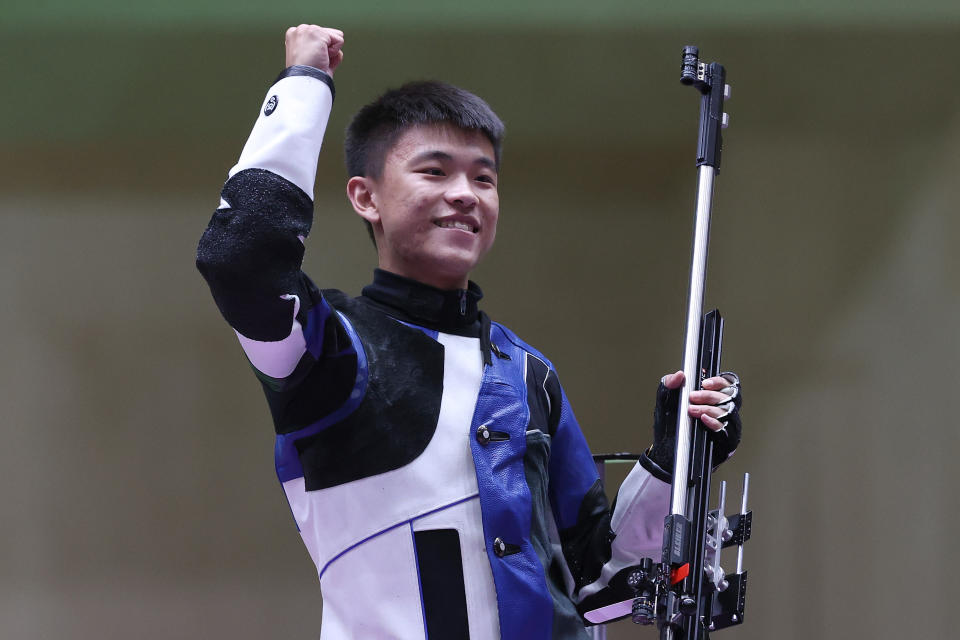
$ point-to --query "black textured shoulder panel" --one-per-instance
(398, 415)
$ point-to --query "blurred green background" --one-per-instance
(139, 496)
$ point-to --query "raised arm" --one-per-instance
(252, 250)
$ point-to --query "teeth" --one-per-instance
(453, 224)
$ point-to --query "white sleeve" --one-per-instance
(643, 502)
(287, 136)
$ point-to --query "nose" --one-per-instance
(460, 192)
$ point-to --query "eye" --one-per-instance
(432, 171)
(485, 178)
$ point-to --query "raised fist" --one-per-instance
(314, 46)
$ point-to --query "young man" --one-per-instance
(433, 465)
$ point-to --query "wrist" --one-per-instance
(307, 70)
(655, 467)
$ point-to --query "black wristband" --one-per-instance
(306, 70)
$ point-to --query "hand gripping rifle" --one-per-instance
(688, 594)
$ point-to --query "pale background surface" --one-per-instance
(139, 498)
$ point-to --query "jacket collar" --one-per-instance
(412, 301)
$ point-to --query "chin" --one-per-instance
(453, 269)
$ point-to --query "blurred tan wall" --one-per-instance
(139, 494)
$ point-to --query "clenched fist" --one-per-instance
(315, 47)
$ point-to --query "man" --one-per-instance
(430, 457)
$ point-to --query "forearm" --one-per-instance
(635, 532)
(600, 545)
(288, 134)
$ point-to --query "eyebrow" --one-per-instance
(444, 156)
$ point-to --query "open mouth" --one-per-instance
(456, 224)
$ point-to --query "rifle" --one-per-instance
(688, 594)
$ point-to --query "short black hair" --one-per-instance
(377, 126)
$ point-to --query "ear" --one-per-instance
(360, 191)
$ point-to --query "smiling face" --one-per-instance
(435, 205)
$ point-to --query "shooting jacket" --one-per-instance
(430, 457)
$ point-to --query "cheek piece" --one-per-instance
(725, 441)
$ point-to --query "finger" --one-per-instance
(335, 60)
(715, 383)
(673, 380)
(733, 380)
(336, 37)
(711, 423)
(715, 398)
(706, 410)
(724, 387)
(725, 379)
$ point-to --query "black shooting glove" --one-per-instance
(725, 441)
(664, 429)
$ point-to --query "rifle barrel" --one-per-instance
(691, 340)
